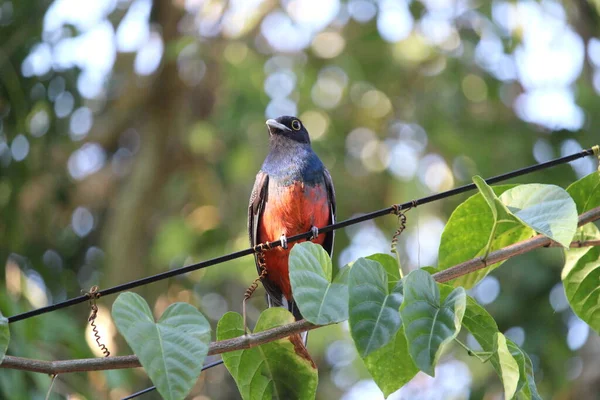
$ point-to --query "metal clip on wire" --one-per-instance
(259, 249)
(93, 295)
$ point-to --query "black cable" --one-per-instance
(151, 388)
(295, 238)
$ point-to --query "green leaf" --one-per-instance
(469, 230)
(171, 350)
(429, 269)
(548, 209)
(4, 336)
(586, 192)
(391, 266)
(485, 330)
(429, 323)
(519, 356)
(526, 388)
(480, 324)
(499, 211)
(506, 365)
(581, 272)
(320, 289)
(586, 195)
(528, 391)
(389, 366)
(493, 202)
(270, 371)
(581, 277)
(373, 308)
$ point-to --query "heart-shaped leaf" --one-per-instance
(4, 336)
(472, 231)
(276, 370)
(390, 366)
(320, 289)
(429, 322)
(373, 308)
(171, 350)
(581, 272)
(547, 209)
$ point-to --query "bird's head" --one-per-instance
(288, 127)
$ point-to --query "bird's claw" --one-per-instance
(284, 242)
(315, 232)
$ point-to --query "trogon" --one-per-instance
(293, 193)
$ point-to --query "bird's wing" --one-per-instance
(328, 243)
(255, 210)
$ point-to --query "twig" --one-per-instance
(120, 362)
(256, 339)
(582, 243)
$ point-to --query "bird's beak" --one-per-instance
(272, 124)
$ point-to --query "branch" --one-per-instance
(512, 250)
(256, 339)
(120, 362)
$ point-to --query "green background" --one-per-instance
(126, 150)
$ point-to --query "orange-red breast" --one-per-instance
(293, 193)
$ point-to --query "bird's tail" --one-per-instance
(293, 307)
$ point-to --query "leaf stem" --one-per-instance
(477, 354)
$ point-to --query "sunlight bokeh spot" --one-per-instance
(86, 160)
(422, 241)
(328, 44)
(82, 221)
(19, 147)
(474, 88)
(578, 333)
(394, 20)
(81, 123)
(317, 123)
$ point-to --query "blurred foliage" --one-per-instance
(131, 132)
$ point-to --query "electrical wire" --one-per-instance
(306, 235)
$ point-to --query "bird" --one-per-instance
(293, 193)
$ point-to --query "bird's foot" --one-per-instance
(315, 232)
(284, 242)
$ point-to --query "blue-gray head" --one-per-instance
(288, 127)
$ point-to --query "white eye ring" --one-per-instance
(296, 125)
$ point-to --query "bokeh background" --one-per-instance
(131, 132)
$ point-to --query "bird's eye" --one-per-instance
(296, 125)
